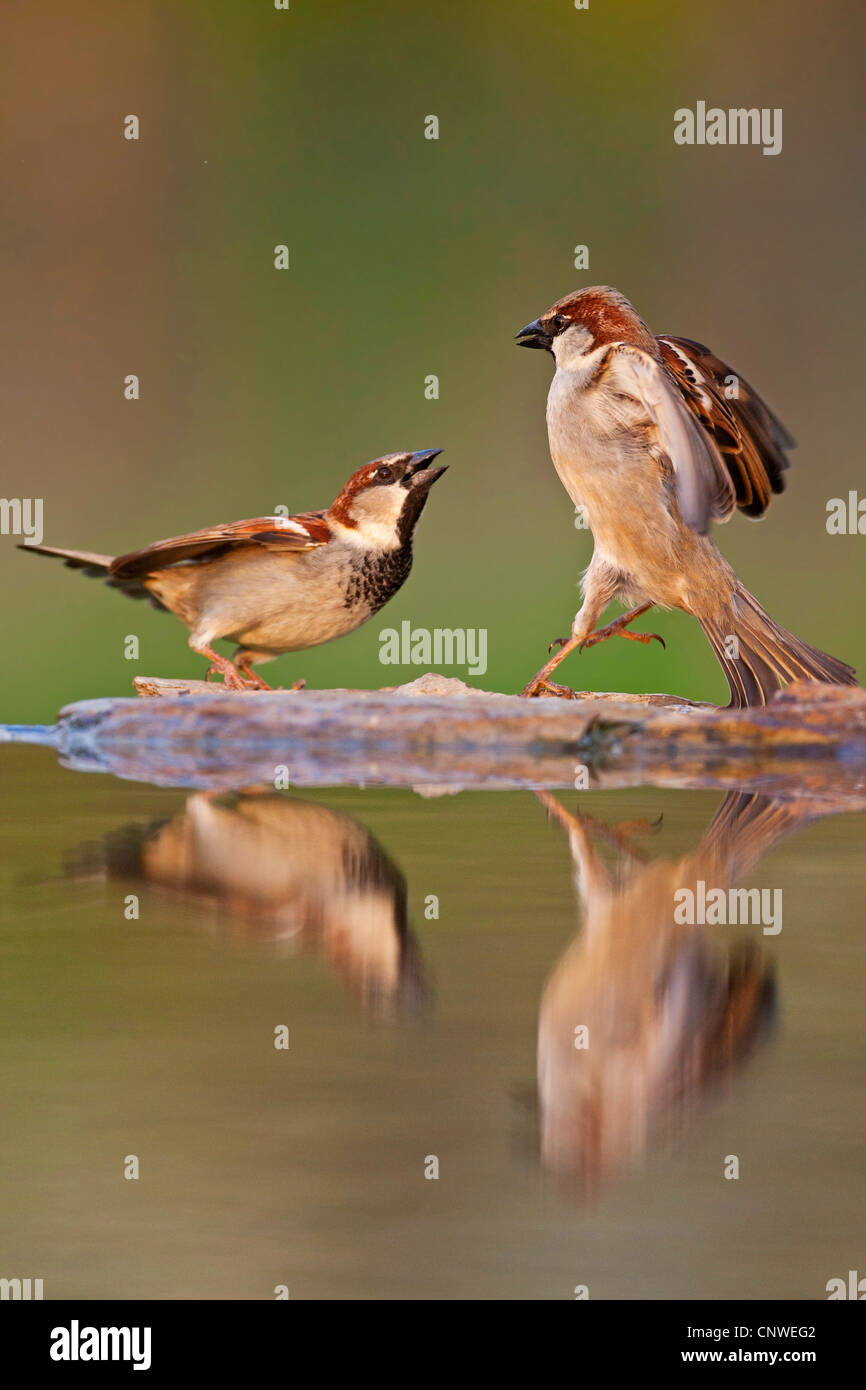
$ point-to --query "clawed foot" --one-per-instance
(542, 688)
(542, 685)
(619, 628)
(253, 681)
(232, 678)
(243, 678)
(622, 834)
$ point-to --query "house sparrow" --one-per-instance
(278, 869)
(280, 584)
(669, 1010)
(652, 442)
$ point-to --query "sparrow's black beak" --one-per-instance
(534, 335)
(416, 474)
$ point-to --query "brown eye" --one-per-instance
(385, 473)
(560, 322)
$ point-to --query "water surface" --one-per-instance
(415, 1036)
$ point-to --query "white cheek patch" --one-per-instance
(574, 342)
(377, 510)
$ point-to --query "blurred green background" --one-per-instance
(408, 257)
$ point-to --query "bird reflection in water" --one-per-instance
(280, 870)
(668, 1010)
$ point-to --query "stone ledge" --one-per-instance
(810, 740)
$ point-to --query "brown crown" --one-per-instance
(608, 316)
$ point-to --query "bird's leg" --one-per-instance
(592, 878)
(220, 666)
(599, 586)
(541, 684)
(244, 658)
(254, 679)
(623, 833)
(619, 835)
(618, 629)
(555, 810)
(242, 662)
(579, 641)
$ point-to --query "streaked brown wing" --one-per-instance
(291, 533)
(703, 487)
(751, 440)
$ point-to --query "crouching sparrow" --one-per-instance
(280, 584)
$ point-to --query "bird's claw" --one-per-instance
(616, 630)
(231, 679)
(541, 688)
(557, 642)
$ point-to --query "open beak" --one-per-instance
(417, 474)
(534, 336)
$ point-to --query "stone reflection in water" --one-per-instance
(668, 1009)
(280, 870)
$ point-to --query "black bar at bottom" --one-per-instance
(83, 1338)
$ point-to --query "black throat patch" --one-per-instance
(373, 579)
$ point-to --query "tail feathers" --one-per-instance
(758, 656)
(96, 567)
(746, 826)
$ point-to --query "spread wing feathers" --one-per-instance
(703, 485)
(752, 441)
(287, 533)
